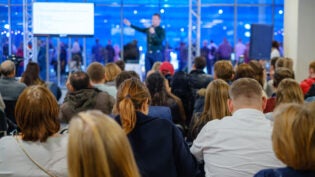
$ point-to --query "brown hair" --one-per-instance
(200, 62)
(280, 74)
(215, 106)
(312, 66)
(259, 71)
(36, 113)
(246, 88)
(289, 91)
(96, 72)
(99, 147)
(131, 95)
(111, 71)
(224, 70)
(244, 71)
(285, 62)
(31, 75)
(293, 136)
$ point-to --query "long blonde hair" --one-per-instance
(99, 147)
(131, 95)
(215, 106)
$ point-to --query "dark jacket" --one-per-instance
(83, 100)
(159, 148)
(284, 172)
(154, 41)
(199, 79)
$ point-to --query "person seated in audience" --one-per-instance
(280, 74)
(260, 73)
(270, 89)
(82, 96)
(158, 146)
(197, 77)
(167, 70)
(155, 67)
(162, 96)
(96, 72)
(244, 70)
(121, 64)
(238, 145)
(111, 72)
(99, 147)
(39, 150)
(10, 88)
(307, 83)
(223, 70)
(31, 77)
(285, 62)
(124, 75)
(215, 107)
(293, 142)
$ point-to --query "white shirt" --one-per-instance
(238, 145)
(52, 155)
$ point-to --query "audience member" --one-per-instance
(161, 96)
(120, 64)
(99, 147)
(307, 83)
(270, 89)
(215, 107)
(293, 142)
(124, 75)
(10, 88)
(238, 145)
(260, 74)
(167, 70)
(158, 146)
(156, 67)
(244, 70)
(96, 73)
(280, 74)
(111, 72)
(39, 150)
(81, 97)
(285, 62)
(223, 70)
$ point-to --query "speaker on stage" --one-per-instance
(260, 41)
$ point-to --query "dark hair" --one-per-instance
(275, 44)
(79, 80)
(156, 85)
(31, 75)
(273, 61)
(121, 64)
(124, 75)
(244, 70)
(157, 14)
(200, 62)
(259, 71)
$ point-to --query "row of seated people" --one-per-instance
(135, 144)
(157, 76)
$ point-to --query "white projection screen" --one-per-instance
(63, 18)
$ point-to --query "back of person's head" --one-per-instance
(223, 70)
(289, 91)
(312, 66)
(79, 80)
(284, 62)
(244, 70)
(156, 66)
(259, 71)
(132, 96)
(120, 64)
(157, 88)
(36, 113)
(293, 136)
(99, 147)
(96, 72)
(246, 93)
(275, 44)
(273, 62)
(7, 68)
(31, 74)
(111, 71)
(166, 68)
(280, 74)
(124, 75)
(200, 62)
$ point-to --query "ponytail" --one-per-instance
(127, 113)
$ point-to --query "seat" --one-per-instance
(9, 113)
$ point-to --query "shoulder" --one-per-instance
(267, 173)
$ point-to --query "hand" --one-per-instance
(152, 30)
(127, 22)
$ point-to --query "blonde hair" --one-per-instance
(99, 147)
(215, 106)
(131, 95)
(111, 71)
(293, 136)
(289, 91)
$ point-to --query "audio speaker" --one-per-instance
(260, 41)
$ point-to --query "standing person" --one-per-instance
(109, 52)
(225, 50)
(205, 52)
(240, 49)
(97, 52)
(155, 37)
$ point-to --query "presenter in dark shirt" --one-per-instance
(155, 37)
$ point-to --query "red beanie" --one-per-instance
(167, 68)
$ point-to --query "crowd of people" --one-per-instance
(173, 123)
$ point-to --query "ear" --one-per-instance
(264, 102)
(230, 105)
